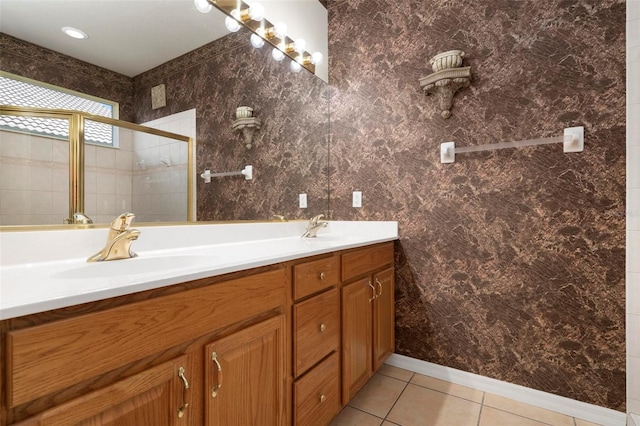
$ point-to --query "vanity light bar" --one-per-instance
(268, 31)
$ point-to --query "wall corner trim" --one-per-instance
(560, 404)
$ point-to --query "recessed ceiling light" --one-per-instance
(74, 32)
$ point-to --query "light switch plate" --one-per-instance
(357, 198)
(302, 201)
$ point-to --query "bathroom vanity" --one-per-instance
(278, 342)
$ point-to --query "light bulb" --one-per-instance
(203, 6)
(280, 30)
(295, 66)
(299, 45)
(277, 55)
(231, 23)
(316, 57)
(256, 12)
(74, 32)
(257, 41)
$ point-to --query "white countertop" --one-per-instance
(44, 270)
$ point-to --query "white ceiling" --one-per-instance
(125, 36)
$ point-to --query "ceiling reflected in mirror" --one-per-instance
(128, 37)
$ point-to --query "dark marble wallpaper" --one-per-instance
(290, 152)
(29, 60)
(510, 263)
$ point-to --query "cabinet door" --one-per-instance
(383, 317)
(156, 396)
(356, 336)
(245, 379)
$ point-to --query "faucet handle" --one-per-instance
(122, 222)
(314, 220)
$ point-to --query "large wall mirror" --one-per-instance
(203, 70)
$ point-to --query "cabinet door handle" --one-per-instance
(373, 290)
(322, 327)
(322, 276)
(322, 398)
(185, 389)
(379, 288)
(216, 388)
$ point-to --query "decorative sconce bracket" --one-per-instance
(447, 79)
(247, 126)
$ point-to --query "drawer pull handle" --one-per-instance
(373, 294)
(322, 327)
(322, 398)
(322, 275)
(379, 288)
(216, 388)
(185, 404)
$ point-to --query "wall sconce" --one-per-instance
(247, 123)
(447, 78)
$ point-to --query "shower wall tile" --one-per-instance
(105, 157)
(13, 145)
(124, 160)
(60, 151)
(14, 177)
(511, 263)
(40, 148)
(40, 178)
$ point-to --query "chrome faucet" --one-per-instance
(119, 240)
(314, 226)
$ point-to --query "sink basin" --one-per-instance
(135, 266)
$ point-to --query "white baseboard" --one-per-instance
(634, 420)
(560, 404)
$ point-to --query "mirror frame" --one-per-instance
(76, 121)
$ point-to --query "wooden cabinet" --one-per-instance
(110, 366)
(317, 394)
(383, 317)
(356, 337)
(316, 341)
(367, 315)
(245, 376)
(279, 345)
(158, 396)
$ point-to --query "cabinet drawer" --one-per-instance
(316, 396)
(316, 325)
(362, 261)
(311, 277)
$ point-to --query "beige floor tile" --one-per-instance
(580, 422)
(351, 417)
(395, 372)
(422, 406)
(448, 388)
(526, 410)
(494, 417)
(378, 395)
(386, 423)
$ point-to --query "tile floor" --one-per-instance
(395, 396)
